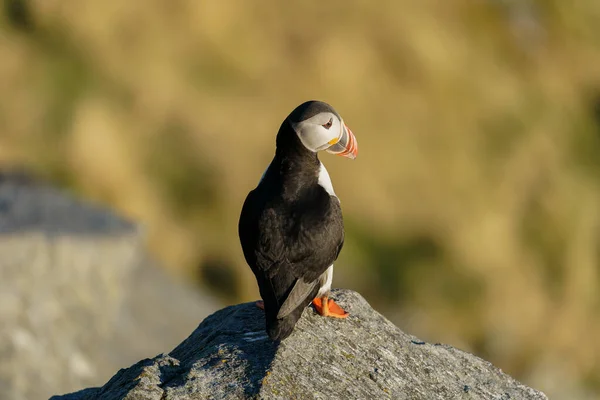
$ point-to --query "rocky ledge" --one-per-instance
(365, 356)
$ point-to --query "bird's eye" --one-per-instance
(328, 124)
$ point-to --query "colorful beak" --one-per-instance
(346, 145)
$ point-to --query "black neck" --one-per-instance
(298, 167)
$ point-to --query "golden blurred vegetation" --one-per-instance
(472, 211)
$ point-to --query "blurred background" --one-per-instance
(472, 212)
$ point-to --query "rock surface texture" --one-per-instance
(365, 356)
(79, 297)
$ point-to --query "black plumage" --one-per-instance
(291, 229)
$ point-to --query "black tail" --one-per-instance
(279, 329)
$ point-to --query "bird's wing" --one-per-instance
(299, 293)
(288, 253)
(305, 255)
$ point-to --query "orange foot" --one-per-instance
(260, 304)
(329, 308)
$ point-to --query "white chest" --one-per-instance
(325, 180)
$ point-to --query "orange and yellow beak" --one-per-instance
(346, 145)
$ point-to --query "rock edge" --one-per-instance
(229, 356)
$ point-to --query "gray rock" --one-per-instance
(365, 356)
(76, 285)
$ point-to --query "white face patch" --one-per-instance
(314, 133)
(325, 180)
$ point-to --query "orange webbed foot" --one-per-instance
(260, 304)
(328, 308)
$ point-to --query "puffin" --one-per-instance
(291, 227)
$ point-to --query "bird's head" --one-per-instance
(320, 127)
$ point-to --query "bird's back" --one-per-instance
(286, 239)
